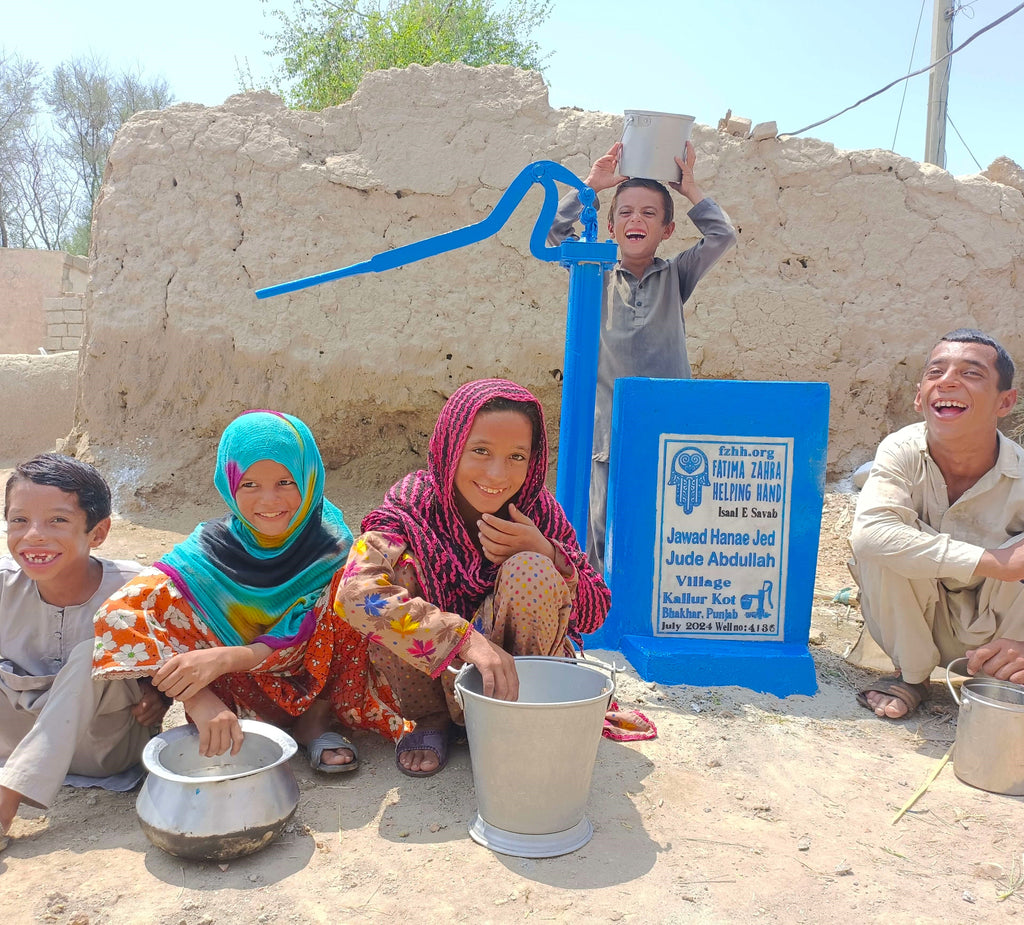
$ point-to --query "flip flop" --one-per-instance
(433, 740)
(627, 725)
(325, 742)
(912, 695)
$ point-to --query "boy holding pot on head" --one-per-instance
(643, 332)
(938, 536)
(53, 717)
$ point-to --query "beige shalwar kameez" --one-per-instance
(914, 554)
(54, 718)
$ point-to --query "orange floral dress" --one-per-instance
(148, 620)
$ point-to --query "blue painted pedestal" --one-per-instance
(714, 511)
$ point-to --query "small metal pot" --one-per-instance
(989, 750)
(212, 809)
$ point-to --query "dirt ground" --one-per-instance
(746, 808)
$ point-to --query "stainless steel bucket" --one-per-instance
(989, 750)
(217, 808)
(651, 141)
(533, 758)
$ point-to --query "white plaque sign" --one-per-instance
(722, 536)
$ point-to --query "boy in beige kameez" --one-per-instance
(54, 719)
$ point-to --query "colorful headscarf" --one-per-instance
(248, 586)
(422, 510)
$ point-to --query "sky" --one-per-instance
(793, 62)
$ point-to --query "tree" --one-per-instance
(43, 205)
(19, 89)
(89, 105)
(326, 47)
(54, 142)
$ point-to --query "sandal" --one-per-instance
(325, 742)
(431, 740)
(912, 695)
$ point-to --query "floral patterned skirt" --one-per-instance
(148, 621)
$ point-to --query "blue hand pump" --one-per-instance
(586, 260)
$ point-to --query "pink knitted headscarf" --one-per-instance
(421, 509)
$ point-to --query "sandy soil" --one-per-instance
(746, 808)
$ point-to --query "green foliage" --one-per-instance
(326, 47)
(89, 105)
(79, 241)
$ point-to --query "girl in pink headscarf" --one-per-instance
(471, 559)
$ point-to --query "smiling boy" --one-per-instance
(938, 536)
(54, 719)
(643, 331)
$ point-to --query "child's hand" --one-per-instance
(218, 726)
(501, 539)
(604, 174)
(496, 666)
(150, 709)
(184, 675)
(687, 186)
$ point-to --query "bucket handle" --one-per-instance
(949, 682)
(613, 670)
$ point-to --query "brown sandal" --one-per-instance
(912, 695)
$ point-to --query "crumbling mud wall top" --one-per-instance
(849, 265)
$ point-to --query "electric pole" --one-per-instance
(938, 84)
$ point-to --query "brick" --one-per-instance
(738, 126)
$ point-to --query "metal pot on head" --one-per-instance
(651, 141)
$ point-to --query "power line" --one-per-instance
(922, 70)
(910, 64)
(964, 143)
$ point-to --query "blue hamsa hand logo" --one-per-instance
(689, 475)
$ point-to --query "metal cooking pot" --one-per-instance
(989, 750)
(212, 809)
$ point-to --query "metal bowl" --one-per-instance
(213, 809)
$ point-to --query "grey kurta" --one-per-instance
(53, 717)
(643, 332)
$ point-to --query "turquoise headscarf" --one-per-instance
(247, 586)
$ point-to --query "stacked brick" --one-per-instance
(65, 322)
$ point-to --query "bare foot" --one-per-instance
(893, 697)
(336, 755)
(10, 800)
(886, 706)
(315, 722)
(423, 759)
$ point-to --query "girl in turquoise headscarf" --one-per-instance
(235, 617)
